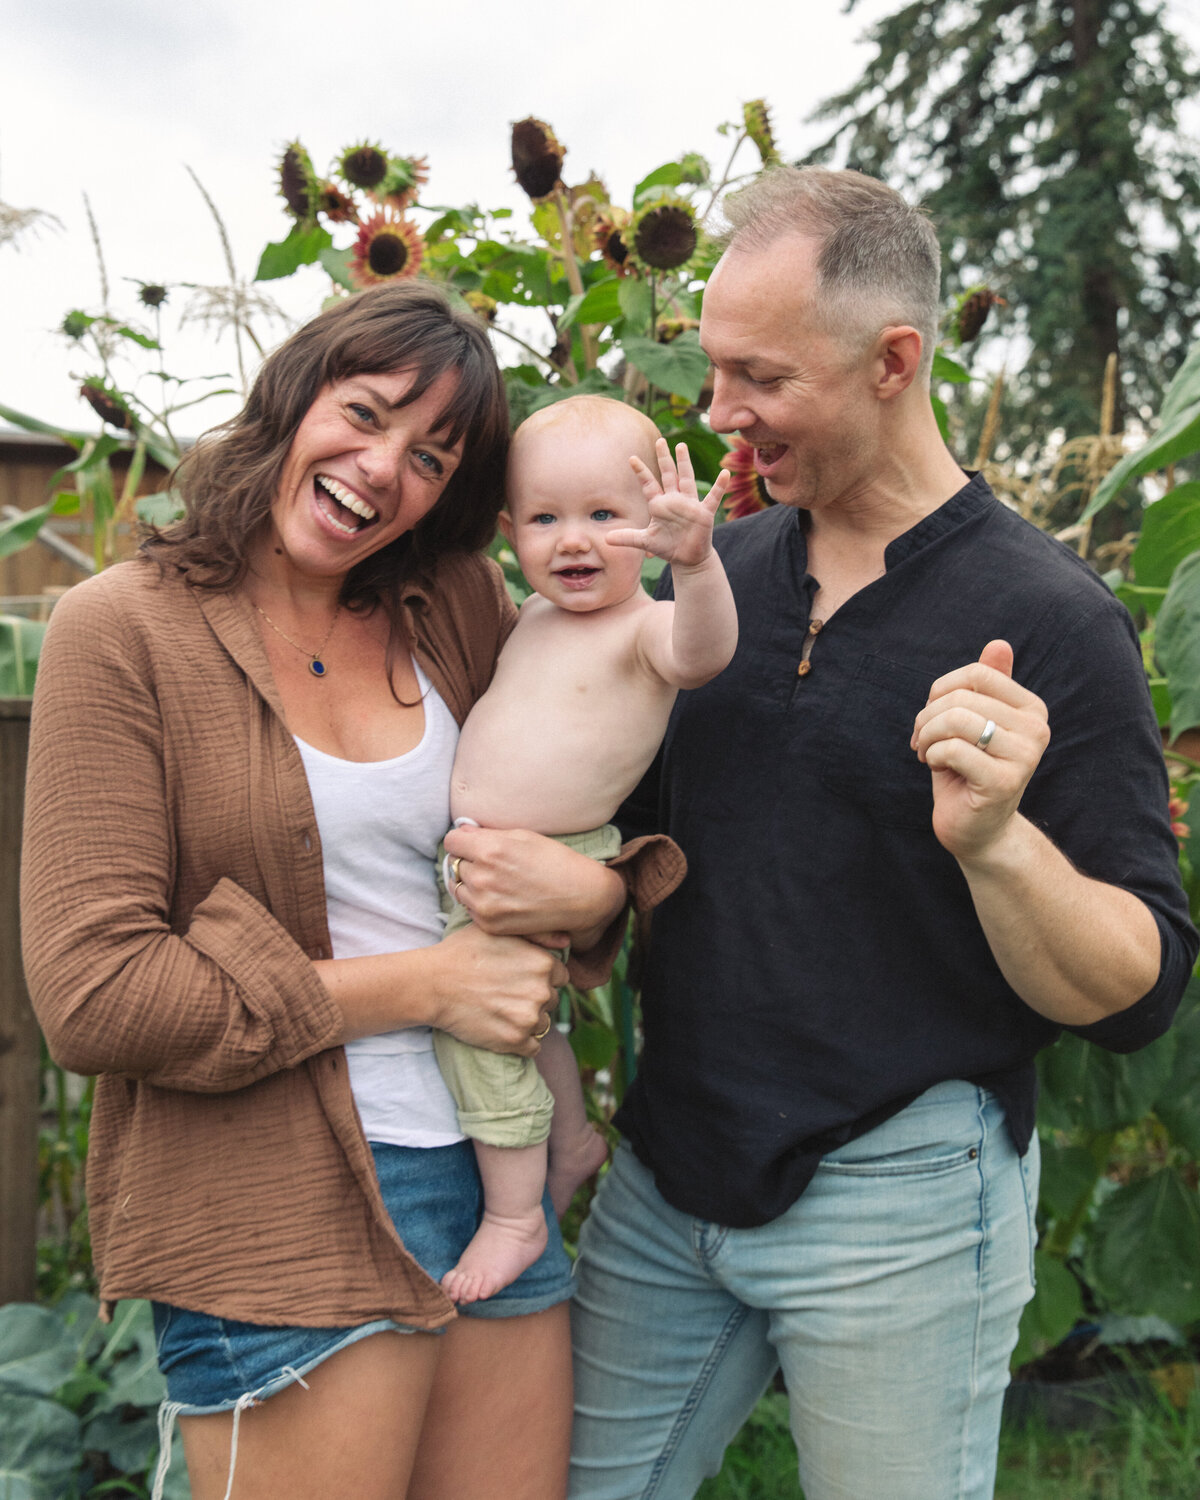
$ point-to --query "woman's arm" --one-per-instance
(490, 992)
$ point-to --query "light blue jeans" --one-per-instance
(889, 1294)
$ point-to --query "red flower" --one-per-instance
(748, 492)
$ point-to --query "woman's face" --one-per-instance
(361, 471)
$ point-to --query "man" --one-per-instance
(925, 815)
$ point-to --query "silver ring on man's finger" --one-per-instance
(985, 739)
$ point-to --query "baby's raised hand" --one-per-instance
(680, 529)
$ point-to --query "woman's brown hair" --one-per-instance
(229, 479)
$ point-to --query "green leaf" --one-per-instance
(40, 1448)
(637, 303)
(1170, 532)
(1178, 1106)
(945, 368)
(670, 174)
(1174, 440)
(594, 1046)
(1144, 1254)
(652, 569)
(1056, 1307)
(130, 1444)
(19, 531)
(37, 1352)
(337, 263)
(941, 415)
(1085, 1086)
(1069, 1174)
(159, 509)
(31, 424)
(679, 368)
(1177, 644)
(141, 339)
(302, 247)
(1184, 390)
(708, 449)
(601, 304)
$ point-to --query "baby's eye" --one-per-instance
(604, 515)
(543, 518)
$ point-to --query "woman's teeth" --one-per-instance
(348, 500)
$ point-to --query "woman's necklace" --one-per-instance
(315, 665)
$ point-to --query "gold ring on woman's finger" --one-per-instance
(458, 885)
(985, 739)
(455, 878)
(538, 1035)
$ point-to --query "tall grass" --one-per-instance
(1143, 1452)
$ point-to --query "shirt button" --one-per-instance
(814, 627)
(804, 669)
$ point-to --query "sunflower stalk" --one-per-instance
(742, 137)
(587, 333)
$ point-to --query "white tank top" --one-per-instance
(380, 824)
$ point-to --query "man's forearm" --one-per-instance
(1074, 949)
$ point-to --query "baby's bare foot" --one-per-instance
(502, 1248)
(573, 1161)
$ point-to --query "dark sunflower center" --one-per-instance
(666, 237)
(366, 167)
(614, 248)
(388, 255)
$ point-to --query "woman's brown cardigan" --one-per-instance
(172, 899)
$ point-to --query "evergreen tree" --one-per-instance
(1043, 137)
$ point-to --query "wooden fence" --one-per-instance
(19, 1041)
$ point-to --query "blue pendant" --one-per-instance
(317, 667)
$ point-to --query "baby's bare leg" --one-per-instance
(512, 1233)
(576, 1148)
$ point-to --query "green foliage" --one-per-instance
(78, 1402)
(1043, 139)
(20, 643)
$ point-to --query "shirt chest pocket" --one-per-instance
(867, 758)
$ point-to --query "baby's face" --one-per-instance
(568, 489)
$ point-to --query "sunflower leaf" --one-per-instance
(302, 247)
(680, 367)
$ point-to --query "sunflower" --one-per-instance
(389, 248)
(299, 186)
(537, 157)
(608, 230)
(482, 305)
(406, 176)
(972, 312)
(107, 403)
(363, 166)
(757, 120)
(747, 493)
(338, 207)
(663, 235)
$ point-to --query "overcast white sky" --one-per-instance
(113, 99)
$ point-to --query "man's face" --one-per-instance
(799, 394)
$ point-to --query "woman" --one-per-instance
(238, 775)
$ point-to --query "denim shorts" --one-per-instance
(435, 1199)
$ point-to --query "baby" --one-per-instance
(572, 719)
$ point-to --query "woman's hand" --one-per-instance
(516, 883)
(495, 992)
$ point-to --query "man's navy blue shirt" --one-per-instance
(822, 965)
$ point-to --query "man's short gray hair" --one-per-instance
(879, 262)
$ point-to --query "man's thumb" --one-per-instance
(998, 654)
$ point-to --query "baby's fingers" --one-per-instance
(687, 475)
(629, 536)
(666, 465)
(720, 488)
(647, 478)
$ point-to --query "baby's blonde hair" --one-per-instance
(588, 413)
